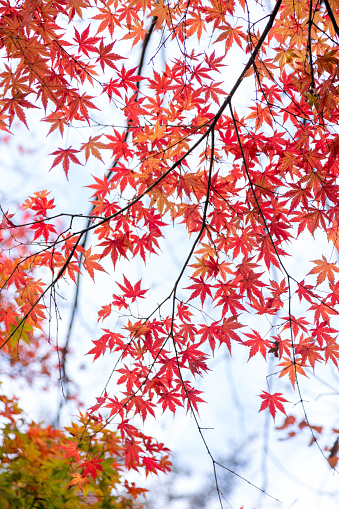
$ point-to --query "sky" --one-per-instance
(289, 469)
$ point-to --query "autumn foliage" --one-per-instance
(244, 157)
(38, 461)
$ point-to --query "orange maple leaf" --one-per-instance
(291, 369)
(92, 147)
(71, 450)
(324, 269)
(78, 480)
(90, 263)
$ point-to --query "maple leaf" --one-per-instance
(280, 346)
(309, 351)
(108, 20)
(133, 111)
(104, 312)
(296, 324)
(159, 197)
(257, 344)
(58, 120)
(273, 402)
(227, 331)
(217, 11)
(15, 108)
(192, 397)
(84, 42)
(183, 312)
(8, 316)
(92, 148)
(162, 12)
(169, 368)
(127, 79)
(334, 450)
(170, 400)
(261, 115)
(150, 464)
(196, 25)
(65, 156)
(111, 340)
(305, 291)
(118, 145)
(132, 451)
(116, 247)
(201, 288)
(209, 332)
(289, 421)
(132, 292)
(78, 480)
(102, 187)
(135, 32)
(141, 405)
(213, 92)
(106, 57)
(324, 269)
(228, 298)
(90, 263)
(80, 105)
(42, 229)
(331, 351)
(71, 450)
(292, 369)
(39, 203)
(230, 35)
(91, 467)
(138, 329)
(322, 310)
(76, 6)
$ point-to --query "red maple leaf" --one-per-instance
(64, 156)
(42, 229)
(150, 464)
(257, 344)
(92, 467)
(273, 402)
(131, 292)
(200, 288)
(84, 42)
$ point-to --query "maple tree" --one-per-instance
(246, 178)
